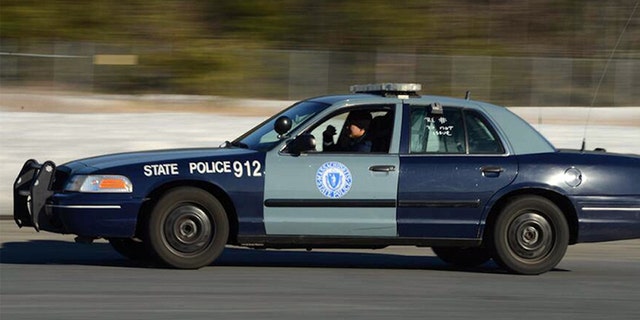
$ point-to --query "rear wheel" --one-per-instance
(188, 228)
(530, 236)
(462, 257)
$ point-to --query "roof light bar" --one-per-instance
(386, 87)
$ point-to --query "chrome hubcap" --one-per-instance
(188, 230)
(530, 236)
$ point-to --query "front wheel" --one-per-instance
(188, 228)
(530, 236)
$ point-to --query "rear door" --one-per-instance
(452, 163)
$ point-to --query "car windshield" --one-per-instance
(263, 137)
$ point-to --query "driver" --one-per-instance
(357, 129)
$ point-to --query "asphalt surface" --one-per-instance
(48, 276)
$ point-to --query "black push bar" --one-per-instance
(31, 191)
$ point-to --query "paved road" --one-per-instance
(47, 276)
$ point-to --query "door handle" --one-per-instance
(382, 168)
(491, 171)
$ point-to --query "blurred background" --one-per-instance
(517, 53)
(77, 78)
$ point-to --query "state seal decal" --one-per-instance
(333, 179)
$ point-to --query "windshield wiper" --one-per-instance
(238, 144)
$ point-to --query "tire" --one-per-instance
(462, 257)
(188, 228)
(131, 248)
(530, 236)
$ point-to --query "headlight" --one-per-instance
(99, 183)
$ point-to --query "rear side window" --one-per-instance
(437, 133)
(453, 132)
(482, 138)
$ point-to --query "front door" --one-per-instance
(335, 193)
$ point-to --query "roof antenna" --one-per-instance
(604, 72)
(467, 95)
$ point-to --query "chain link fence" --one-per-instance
(296, 74)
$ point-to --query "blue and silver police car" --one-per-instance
(378, 167)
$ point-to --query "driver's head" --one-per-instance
(359, 124)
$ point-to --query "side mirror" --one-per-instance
(303, 143)
(282, 125)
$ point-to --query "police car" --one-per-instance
(469, 179)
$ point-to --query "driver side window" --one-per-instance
(362, 129)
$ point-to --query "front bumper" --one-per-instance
(96, 215)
